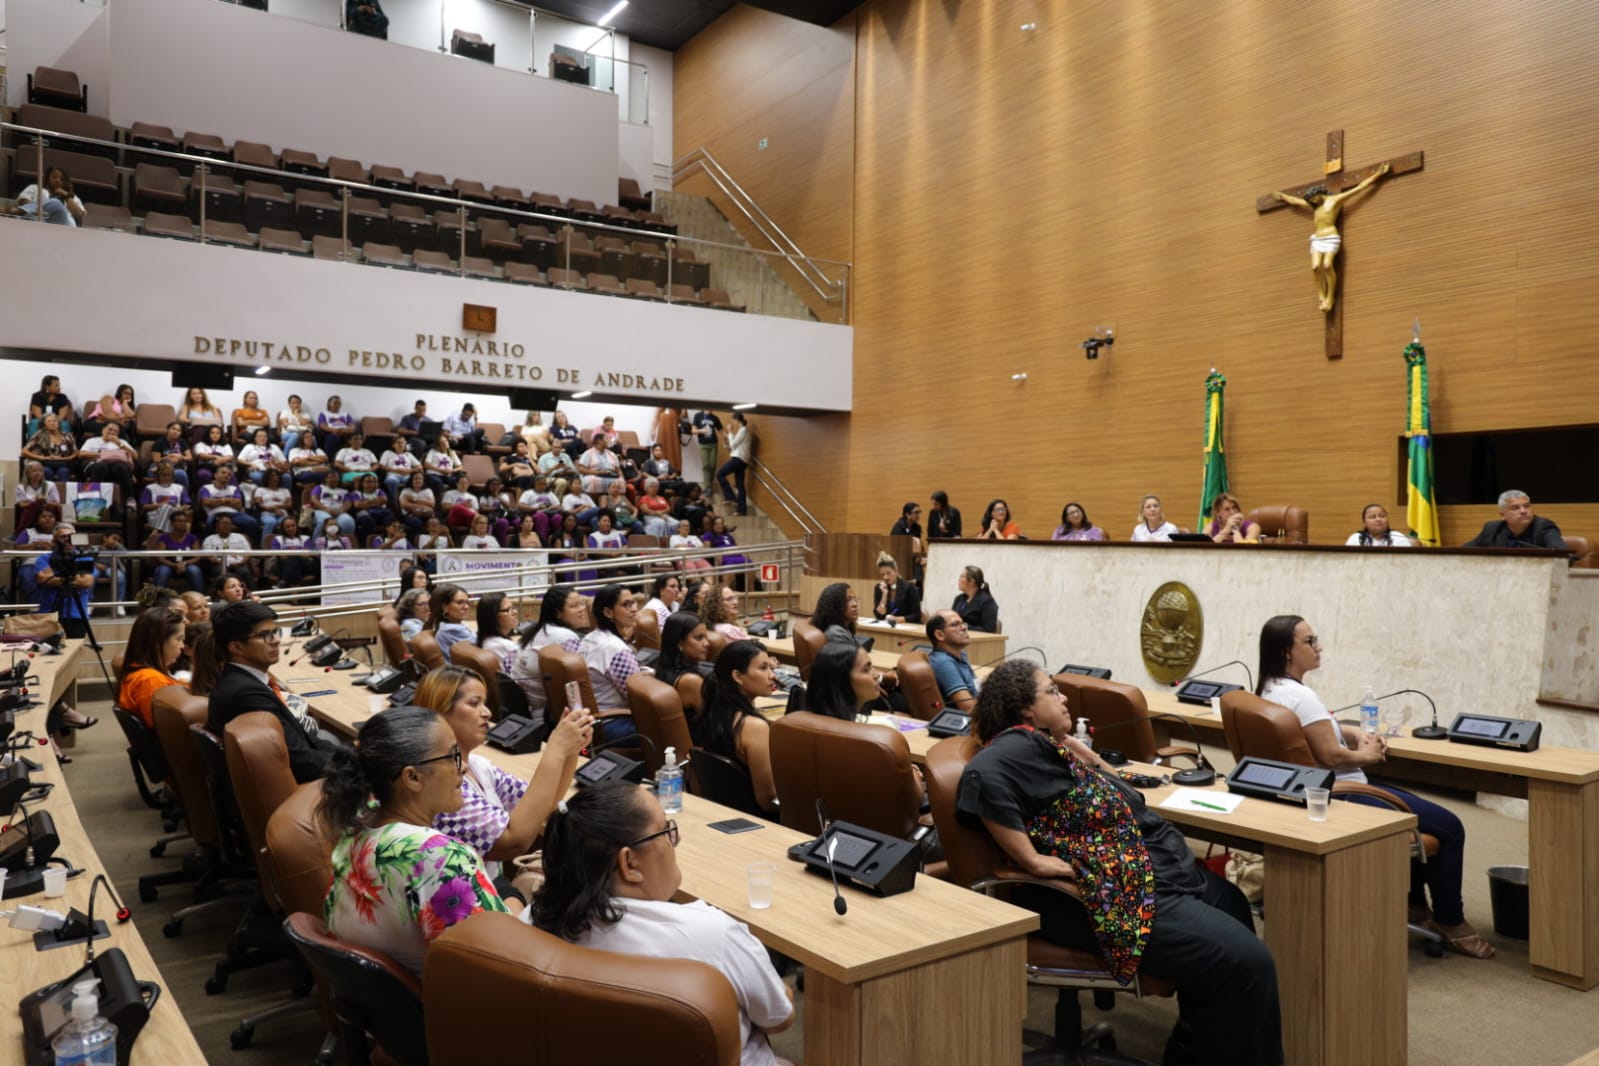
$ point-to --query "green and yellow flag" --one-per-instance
(1421, 504)
(1215, 454)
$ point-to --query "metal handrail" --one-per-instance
(826, 288)
(762, 473)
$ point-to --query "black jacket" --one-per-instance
(905, 601)
(238, 692)
(1541, 534)
(980, 613)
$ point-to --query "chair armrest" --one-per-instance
(1172, 753)
(1381, 795)
(614, 712)
(1010, 875)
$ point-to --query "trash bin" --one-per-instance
(1507, 890)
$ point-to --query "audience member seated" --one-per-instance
(1374, 531)
(685, 540)
(1229, 526)
(246, 636)
(330, 502)
(196, 409)
(368, 506)
(397, 465)
(210, 453)
(1074, 525)
(249, 418)
(601, 470)
(722, 537)
(441, 464)
(228, 589)
(580, 505)
(271, 503)
(260, 456)
(659, 467)
(48, 399)
(1290, 649)
(53, 448)
(408, 433)
(223, 497)
(354, 459)
(448, 609)
(291, 565)
(459, 504)
(433, 538)
(610, 658)
(332, 538)
(974, 603)
(664, 595)
(535, 433)
(611, 873)
(397, 881)
(957, 681)
(561, 469)
(896, 600)
(309, 462)
(119, 407)
(656, 510)
(411, 611)
(155, 644)
(843, 683)
(220, 547)
(1518, 527)
(837, 611)
(525, 535)
(562, 613)
(1152, 524)
(172, 449)
(685, 648)
(997, 523)
(462, 430)
(334, 426)
(519, 467)
(943, 521)
(625, 516)
(497, 619)
(605, 535)
(720, 611)
(295, 426)
(109, 458)
(416, 504)
(566, 435)
(34, 495)
(729, 725)
(500, 815)
(58, 203)
(498, 505)
(179, 542)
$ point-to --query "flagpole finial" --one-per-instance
(1415, 331)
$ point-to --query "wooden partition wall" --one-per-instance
(1004, 191)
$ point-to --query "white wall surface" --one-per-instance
(51, 33)
(287, 83)
(660, 110)
(166, 299)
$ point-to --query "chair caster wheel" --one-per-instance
(172, 928)
(148, 893)
(1434, 949)
(240, 1038)
(158, 849)
(215, 986)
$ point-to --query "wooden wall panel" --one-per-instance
(1013, 190)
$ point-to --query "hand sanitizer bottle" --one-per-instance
(669, 783)
(1082, 734)
(88, 1039)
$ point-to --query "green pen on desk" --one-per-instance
(1208, 806)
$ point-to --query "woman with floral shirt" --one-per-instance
(398, 882)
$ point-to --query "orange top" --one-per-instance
(138, 692)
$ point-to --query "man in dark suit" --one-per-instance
(1518, 527)
(247, 637)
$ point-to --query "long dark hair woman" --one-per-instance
(838, 608)
(1057, 810)
(1290, 649)
(729, 725)
(610, 857)
(610, 658)
(155, 644)
(842, 682)
(974, 603)
(685, 644)
(398, 882)
(562, 612)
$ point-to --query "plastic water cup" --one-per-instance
(761, 876)
(377, 703)
(1215, 706)
(3, 872)
(55, 881)
(1316, 803)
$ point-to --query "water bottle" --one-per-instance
(1082, 734)
(669, 783)
(1368, 711)
(88, 1039)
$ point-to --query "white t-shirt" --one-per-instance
(356, 458)
(271, 499)
(399, 460)
(470, 541)
(119, 450)
(1143, 534)
(258, 458)
(526, 670)
(576, 501)
(662, 611)
(30, 195)
(287, 419)
(700, 932)
(234, 542)
(1395, 540)
(1307, 706)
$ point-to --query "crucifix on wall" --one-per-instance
(1325, 200)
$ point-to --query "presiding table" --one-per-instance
(166, 1038)
(986, 649)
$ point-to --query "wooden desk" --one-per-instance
(1561, 786)
(166, 1038)
(986, 649)
(876, 977)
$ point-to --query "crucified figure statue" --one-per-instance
(1325, 241)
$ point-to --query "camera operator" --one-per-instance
(64, 581)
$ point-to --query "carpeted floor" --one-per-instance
(1463, 1012)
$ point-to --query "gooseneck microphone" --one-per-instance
(1206, 673)
(1421, 732)
(840, 904)
(1202, 773)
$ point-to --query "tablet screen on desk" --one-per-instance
(1481, 727)
(851, 850)
(1263, 775)
(1201, 690)
(594, 770)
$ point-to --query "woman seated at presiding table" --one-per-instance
(974, 603)
(729, 725)
(397, 881)
(1229, 526)
(155, 643)
(1059, 812)
(896, 600)
(500, 815)
(1074, 525)
(611, 862)
(1290, 649)
(1374, 531)
(998, 524)
(1152, 524)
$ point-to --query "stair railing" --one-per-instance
(786, 499)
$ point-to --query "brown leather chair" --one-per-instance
(658, 714)
(919, 685)
(1582, 553)
(425, 650)
(392, 639)
(808, 640)
(370, 993)
(1285, 524)
(174, 710)
(562, 995)
(715, 644)
(647, 631)
(558, 666)
(300, 853)
(861, 773)
(1118, 714)
(975, 861)
(691, 690)
(485, 664)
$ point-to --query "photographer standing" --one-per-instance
(64, 580)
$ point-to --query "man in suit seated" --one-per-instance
(247, 635)
(1518, 527)
(957, 682)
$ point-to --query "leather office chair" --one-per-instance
(1284, 524)
(145, 758)
(647, 631)
(918, 684)
(558, 666)
(658, 714)
(392, 639)
(1583, 556)
(371, 993)
(425, 650)
(174, 710)
(486, 665)
(691, 690)
(977, 862)
(721, 780)
(715, 644)
(1268, 731)
(562, 995)
(1117, 713)
(808, 640)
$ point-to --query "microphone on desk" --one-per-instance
(1202, 772)
(840, 904)
(1421, 732)
(1205, 673)
(1044, 662)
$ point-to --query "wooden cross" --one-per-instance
(1337, 179)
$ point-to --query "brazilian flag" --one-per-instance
(1421, 504)
(1215, 454)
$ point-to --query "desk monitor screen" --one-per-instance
(1486, 728)
(1202, 690)
(851, 851)
(596, 769)
(1265, 775)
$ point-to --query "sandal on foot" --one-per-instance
(1466, 943)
